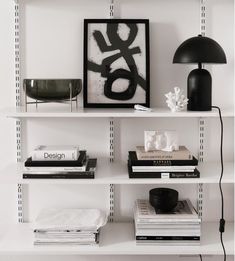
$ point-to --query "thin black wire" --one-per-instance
(200, 257)
(222, 221)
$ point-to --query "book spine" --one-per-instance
(59, 169)
(169, 163)
(86, 175)
(162, 157)
(165, 175)
(176, 238)
(55, 155)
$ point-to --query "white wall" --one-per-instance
(52, 48)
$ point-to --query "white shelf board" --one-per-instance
(115, 239)
(64, 112)
(116, 173)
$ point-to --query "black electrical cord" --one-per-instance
(200, 257)
(222, 220)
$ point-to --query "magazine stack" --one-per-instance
(59, 162)
(182, 226)
(162, 164)
(68, 226)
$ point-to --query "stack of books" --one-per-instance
(68, 226)
(179, 227)
(162, 164)
(59, 162)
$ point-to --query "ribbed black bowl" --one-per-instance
(52, 89)
(163, 199)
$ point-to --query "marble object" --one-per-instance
(161, 140)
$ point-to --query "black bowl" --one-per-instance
(163, 199)
(52, 89)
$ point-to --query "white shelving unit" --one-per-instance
(18, 241)
(116, 238)
(116, 173)
(63, 112)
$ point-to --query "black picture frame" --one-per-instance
(92, 67)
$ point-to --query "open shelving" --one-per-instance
(64, 112)
(115, 239)
(116, 173)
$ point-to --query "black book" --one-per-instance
(58, 163)
(135, 162)
(88, 174)
(171, 238)
(159, 175)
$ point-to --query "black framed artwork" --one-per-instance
(116, 63)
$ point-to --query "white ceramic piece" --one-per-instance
(176, 101)
(161, 140)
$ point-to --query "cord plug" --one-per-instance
(222, 225)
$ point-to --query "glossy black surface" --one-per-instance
(163, 199)
(52, 89)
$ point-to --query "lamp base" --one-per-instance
(199, 90)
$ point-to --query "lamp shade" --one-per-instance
(199, 49)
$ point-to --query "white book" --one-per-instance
(167, 243)
(53, 169)
(52, 153)
(184, 212)
(163, 168)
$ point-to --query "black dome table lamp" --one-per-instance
(199, 49)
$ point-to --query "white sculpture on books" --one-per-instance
(176, 101)
(161, 140)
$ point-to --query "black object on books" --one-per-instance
(161, 174)
(88, 174)
(63, 163)
(163, 199)
(135, 162)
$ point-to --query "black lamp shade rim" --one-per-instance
(200, 49)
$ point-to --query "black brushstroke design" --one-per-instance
(116, 43)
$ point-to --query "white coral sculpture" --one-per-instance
(176, 101)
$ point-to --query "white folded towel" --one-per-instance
(80, 219)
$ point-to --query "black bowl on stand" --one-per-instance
(52, 90)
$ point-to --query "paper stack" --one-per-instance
(179, 227)
(68, 226)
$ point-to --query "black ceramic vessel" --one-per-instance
(52, 89)
(163, 199)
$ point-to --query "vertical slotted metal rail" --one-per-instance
(203, 17)
(111, 9)
(111, 140)
(201, 159)
(201, 120)
(111, 159)
(20, 216)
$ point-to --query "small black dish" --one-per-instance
(163, 199)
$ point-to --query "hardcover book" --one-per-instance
(58, 163)
(184, 211)
(88, 174)
(55, 153)
(135, 162)
(162, 174)
(182, 154)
